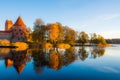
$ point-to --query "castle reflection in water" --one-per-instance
(54, 58)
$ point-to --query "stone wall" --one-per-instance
(7, 36)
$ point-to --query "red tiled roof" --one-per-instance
(9, 22)
(19, 68)
(19, 22)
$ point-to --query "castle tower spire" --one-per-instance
(19, 22)
(8, 25)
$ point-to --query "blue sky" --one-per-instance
(100, 16)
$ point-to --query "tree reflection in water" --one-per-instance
(94, 52)
(97, 52)
(70, 55)
(54, 58)
(39, 60)
(83, 54)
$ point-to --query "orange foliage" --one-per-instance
(54, 60)
(47, 46)
(63, 46)
(20, 45)
(4, 50)
(5, 42)
(54, 31)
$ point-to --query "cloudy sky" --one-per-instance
(100, 16)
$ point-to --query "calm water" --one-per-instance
(76, 63)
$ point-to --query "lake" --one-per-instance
(76, 63)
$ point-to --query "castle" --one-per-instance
(14, 32)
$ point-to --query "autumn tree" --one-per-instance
(94, 38)
(70, 35)
(101, 40)
(57, 33)
(61, 35)
(29, 34)
(83, 37)
(37, 25)
(39, 31)
(53, 32)
(98, 39)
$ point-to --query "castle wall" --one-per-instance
(18, 34)
(4, 35)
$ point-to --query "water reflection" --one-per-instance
(53, 59)
(39, 60)
(83, 54)
(97, 52)
(17, 59)
(93, 52)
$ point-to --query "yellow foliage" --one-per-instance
(54, 60)
(4, 42)
(104, 45)
(54, 31)
(108, 45)
(47, 46)
(63, 46)
(20, 45)
(4, 50)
